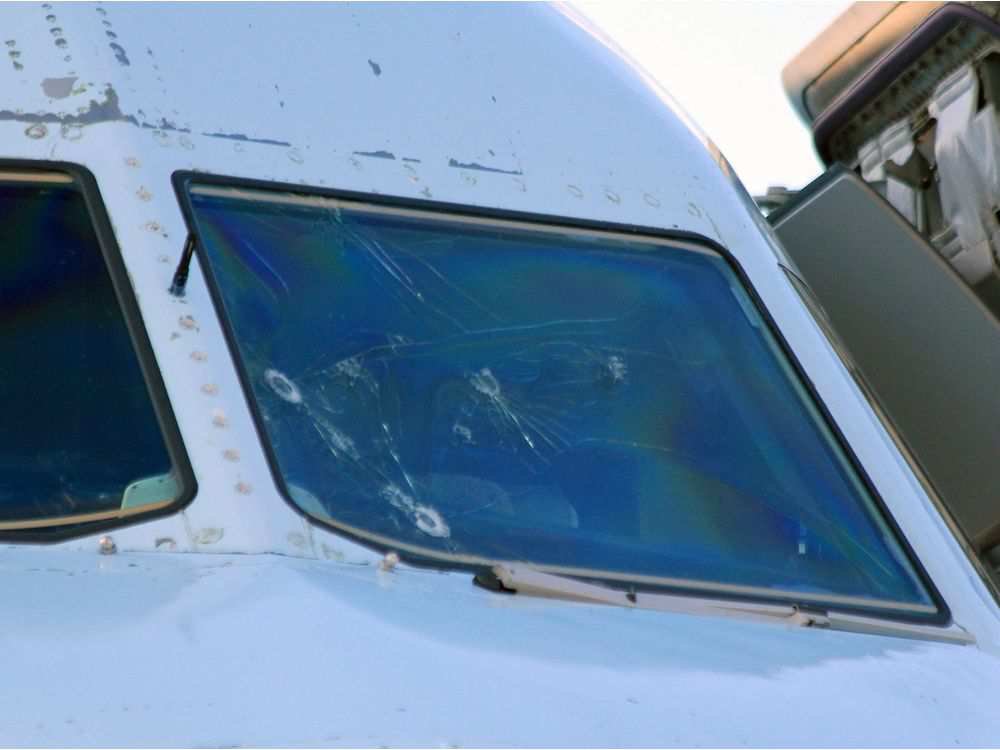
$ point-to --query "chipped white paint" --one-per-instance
(518, 107)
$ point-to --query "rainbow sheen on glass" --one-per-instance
(470, 391)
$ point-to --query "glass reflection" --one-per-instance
(481, 390)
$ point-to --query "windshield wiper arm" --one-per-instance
(530, 582)
(183, 267)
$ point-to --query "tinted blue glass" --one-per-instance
(489, 391)
(78, 423)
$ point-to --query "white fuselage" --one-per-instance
(236, 621)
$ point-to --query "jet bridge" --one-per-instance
(898, 244)
(905, 94)
(921, 343)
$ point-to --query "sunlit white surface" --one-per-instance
(722, 62)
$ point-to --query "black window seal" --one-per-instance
(183, 179)
(85, 182)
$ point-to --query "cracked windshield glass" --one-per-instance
(474, 390)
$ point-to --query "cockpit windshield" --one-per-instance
(472, 390)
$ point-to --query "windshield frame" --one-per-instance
(183, 180)
(44, 532)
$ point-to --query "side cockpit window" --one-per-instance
(82, 444)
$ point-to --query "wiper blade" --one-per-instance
(530, 582)
(183, 267)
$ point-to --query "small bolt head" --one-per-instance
(106, 545)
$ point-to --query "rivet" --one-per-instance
(390, 561)
(186, 321)
(71, 132)
(106, 545)
(243, 488)
(199, 356)
(210, 389)
(219, 418)
(231, 454)
(209, 536)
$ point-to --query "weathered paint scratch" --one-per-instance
(164, 124)
(247, 139)
(377, 154)
(120, 55)
(376, 68)
(14, 54)
(58, 88)
(105, 111)
(482, 168)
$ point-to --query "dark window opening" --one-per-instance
(81, 444)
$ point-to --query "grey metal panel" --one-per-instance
(924, 342)
(843, 52)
